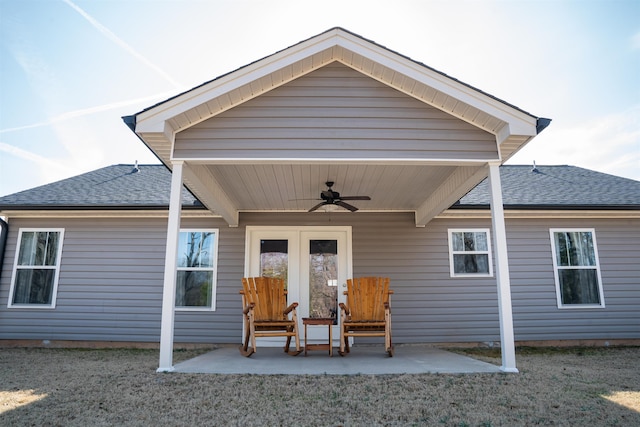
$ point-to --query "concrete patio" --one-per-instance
(363, 359)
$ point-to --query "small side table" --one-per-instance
(314, 321)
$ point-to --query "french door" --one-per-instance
(315, 263)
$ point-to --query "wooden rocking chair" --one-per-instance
(266, 314)
(367, 312)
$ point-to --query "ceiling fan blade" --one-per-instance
(355, 198)
(346, 206)
(317, 206)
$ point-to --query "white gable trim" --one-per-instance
(416, 80)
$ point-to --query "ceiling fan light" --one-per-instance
(330, 207)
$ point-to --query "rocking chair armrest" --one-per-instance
(344, 308)
(290, 308)
(248, 308)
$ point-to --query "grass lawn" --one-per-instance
(559, 387)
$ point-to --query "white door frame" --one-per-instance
(298, 267)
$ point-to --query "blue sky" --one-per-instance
(70, 69)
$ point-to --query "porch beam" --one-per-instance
(207, 189)
(507, 340)
(170, 264)
(459, 183)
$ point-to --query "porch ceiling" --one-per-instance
(277, 187)
(426, 190)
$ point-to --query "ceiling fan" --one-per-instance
(330, 197)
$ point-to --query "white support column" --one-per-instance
(170, 261)
(507, 340)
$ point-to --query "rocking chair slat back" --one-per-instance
(366, 298)
(269, 296)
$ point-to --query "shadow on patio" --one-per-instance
(363, 359)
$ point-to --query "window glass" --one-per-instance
(471, 263)
(38, 248)
(194, 288)
(197, 258)
(579, 286)
(35, 277)
(577, 270)
(574, 249)
(196, 249)
(274, 258)
(480, 241)
(470, 253)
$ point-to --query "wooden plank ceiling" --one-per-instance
(278, 187)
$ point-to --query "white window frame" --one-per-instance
(487, 252)
(213, 269)
(56, 267)
(556, 268)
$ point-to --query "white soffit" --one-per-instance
(158, 125)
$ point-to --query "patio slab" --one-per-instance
(366, 360)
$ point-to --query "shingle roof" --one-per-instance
(557, 187)
(119, 187)
(112, 187)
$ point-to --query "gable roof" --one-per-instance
(111, 187)
(542, 122)
(459, 131)
(157, 125)
(118, 187)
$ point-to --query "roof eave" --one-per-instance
(541, 124)
(547, 207)
(6, 208)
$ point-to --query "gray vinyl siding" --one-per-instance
(430, 306)
(110, 285)
(335, 112)
(536, 315)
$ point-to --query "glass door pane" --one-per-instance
(274, 258)
(323, 279)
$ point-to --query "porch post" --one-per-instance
(507, 340)
(169, 289)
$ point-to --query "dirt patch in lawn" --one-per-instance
(55, 387)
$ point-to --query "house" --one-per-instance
(402, 166)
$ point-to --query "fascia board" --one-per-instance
(334, 160)
(541, 214)
(205, 213)
(106, 213)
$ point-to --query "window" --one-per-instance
(196, 276)
(576, 268)
(470, 253)
(36, 269)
